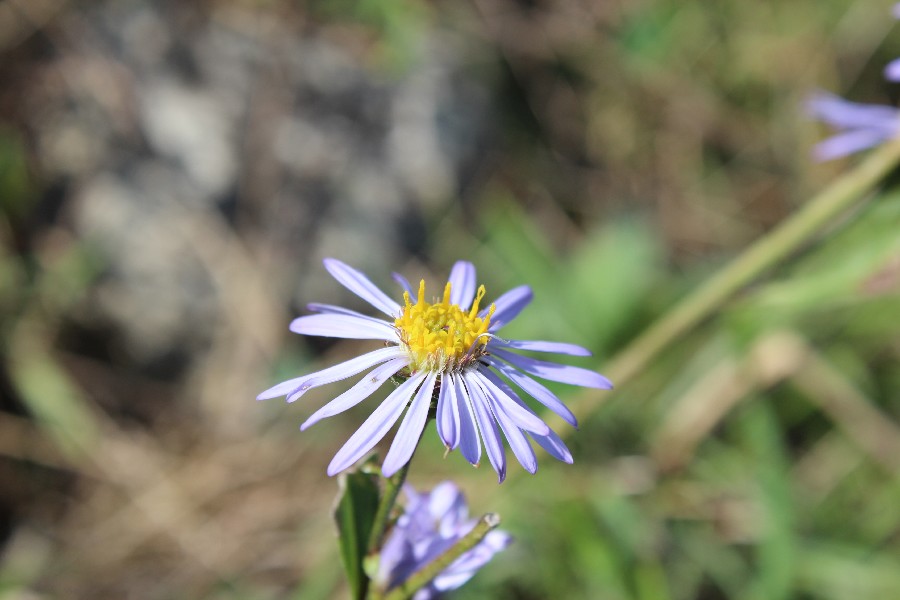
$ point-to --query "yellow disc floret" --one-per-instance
(441, 336)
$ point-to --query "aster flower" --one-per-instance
(861, 126)
(446, 348)
(431, 524)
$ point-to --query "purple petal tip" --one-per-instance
(892, 70)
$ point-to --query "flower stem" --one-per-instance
(423, 576)
(392, 486)
(789, 236)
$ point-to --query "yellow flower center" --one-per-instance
(441, 336)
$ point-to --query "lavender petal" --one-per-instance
(550, 442)
(462, 284)
(448, 414)
(410, 431)
(462, 569)
(524, 419)
(509, 305)
(296, 387)
(844, 144)
(554, 446)
(447, 504)
(404, 283)
(539, 346)
(283, 388)
(469, 445)
(517, 440)
(359, 284)
(844, 114)
(556, 372)
(376, 426)
(318, 307)
(344, 326)
(536, 390)
(364, 388)
(892, 70)
(486, 424)
(394, 556)
(292, 385)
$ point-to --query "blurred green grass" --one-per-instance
(753, 459)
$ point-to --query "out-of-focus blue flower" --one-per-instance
(448, 347)
(861, 126)
(892, 70)
(431, 523)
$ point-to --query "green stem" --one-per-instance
(392, 487)
(423, 576)
(790, 235)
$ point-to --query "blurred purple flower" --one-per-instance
(448, 347)
(431, 523)
(861, 126)
(892, 70)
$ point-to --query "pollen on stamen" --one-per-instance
(441, 336)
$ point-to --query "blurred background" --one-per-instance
(172, 174)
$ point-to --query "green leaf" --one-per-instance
(608, 280)
(354, 515)
(777, 548)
